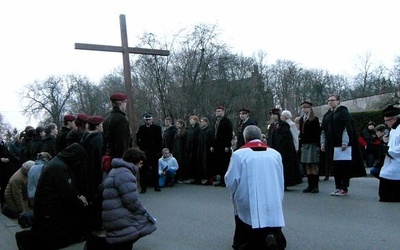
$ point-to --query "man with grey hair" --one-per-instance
(256, 185)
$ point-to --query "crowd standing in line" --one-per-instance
(90, 151)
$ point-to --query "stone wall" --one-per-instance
(377, 102)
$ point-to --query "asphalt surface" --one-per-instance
(201, 217)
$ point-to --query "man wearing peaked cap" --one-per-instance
(389, 177)
(116, 129)
(68, 125)
(221, 145)
(148, 116)
(149, 140)
(244, 122)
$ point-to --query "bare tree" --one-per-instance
(48, 99)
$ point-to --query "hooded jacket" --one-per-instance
(56, 200)
(123, 215)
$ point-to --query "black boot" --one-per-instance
(309, 187)
(315, 180)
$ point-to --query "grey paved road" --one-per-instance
(196, 217)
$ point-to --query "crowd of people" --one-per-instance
(84, 179)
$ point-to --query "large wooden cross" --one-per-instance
(125, 50)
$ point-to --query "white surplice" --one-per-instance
(255, 182)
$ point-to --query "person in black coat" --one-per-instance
(116, 130)
(169, 133)
(179, 150)
(68, 125)
(338, 131)
(37, 143)
(91, 176)
(58, 204)
(50, 140)
(206, 138)
(222, 143)
(280, 138)
(149, 140)
(194, 162)
(76, 134)
(244, 122)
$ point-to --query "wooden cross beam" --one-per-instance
(125, 50)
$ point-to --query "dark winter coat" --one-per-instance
(193, 147)
(50, 145)
(223, 135)
(57, 206)
(149, 140)
(124, 216)
(179, 148)
(333, 124)
(62, 138)
(310, 131)
(36, 147)
(117, 133)
(168, 137)
(239, 132)
(282, 141)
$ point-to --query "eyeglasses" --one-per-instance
(386, 120)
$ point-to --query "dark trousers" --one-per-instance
(247, 238)
(389, 190)
(222, 159)
(342, 182)
(149, 173)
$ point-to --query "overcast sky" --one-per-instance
(38, 36)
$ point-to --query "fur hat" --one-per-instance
(274, 111)
(380, 128)
(390, 111)
(287, 114)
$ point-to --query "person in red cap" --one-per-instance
(68, 125)
(92, 176)
(116, 130)
(221, 145)
(75, 135)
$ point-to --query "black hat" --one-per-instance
(391, 111)
(148, 116)
(380, 128)
(371, 123)
(274, 111)
(306, 102)
(244, 110)
(220, 107)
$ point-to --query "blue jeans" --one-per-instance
(375, 172)
(170, 175)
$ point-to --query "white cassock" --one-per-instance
(255, 182)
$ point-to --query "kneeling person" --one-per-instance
(256, 184)
(167, 167)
